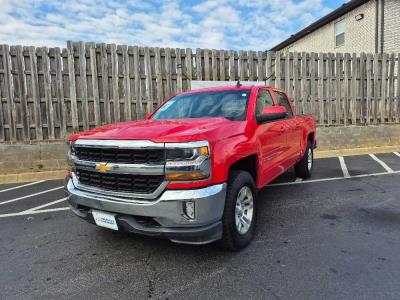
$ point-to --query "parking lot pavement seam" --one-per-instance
(31, 195)
(384, 165)
(21, 186)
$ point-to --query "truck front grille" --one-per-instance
(140, 184)
(118, 155)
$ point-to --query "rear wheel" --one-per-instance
(303, 168)
(239, 217)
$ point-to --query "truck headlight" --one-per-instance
(71, 152)
(187, 161)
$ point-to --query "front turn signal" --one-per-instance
(186, 176)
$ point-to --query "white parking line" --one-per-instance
(344, 167)
(332, 178)
(45, 205)
(397, 153)
(31, 195)
(34, 212)
(385, 166)
(20, 186)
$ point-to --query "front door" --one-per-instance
(272, 140)
(293, 130)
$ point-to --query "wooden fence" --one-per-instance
(47, 93)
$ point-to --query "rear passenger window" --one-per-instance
(264, 99)
(284, 101)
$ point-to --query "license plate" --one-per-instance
(104, 219)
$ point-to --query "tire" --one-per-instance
(236, 237)
(303, 168)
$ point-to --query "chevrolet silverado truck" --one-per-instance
(190, 171)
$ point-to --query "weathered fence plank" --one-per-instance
(8, 92)
(369, 88)
(46, 94)
(397, 103)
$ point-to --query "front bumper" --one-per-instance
(161, 217)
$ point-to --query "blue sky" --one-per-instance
(219, 24)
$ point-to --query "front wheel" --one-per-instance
(240, 215)
(303, 168)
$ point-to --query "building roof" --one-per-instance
(345, 8)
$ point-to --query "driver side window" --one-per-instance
(264, 99)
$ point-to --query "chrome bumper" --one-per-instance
(166, 210)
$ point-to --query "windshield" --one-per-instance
(228, 104)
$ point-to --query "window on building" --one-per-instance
(339, 33)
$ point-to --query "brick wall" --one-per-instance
(359, 35)
(392, 26)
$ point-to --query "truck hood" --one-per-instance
(182, 130)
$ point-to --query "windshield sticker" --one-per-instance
(244, 95)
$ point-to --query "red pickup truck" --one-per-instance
(190, 172)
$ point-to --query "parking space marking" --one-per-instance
(34, 212)
(344, 167)
(385, 166)
(333, 178)
(31, 195)
(298, 179)
(45, 205)
(20, 186)
(397, 153)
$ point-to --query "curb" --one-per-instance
(60, 174)
(32, 176)
(355, 151)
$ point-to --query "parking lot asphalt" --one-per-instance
(333, 236)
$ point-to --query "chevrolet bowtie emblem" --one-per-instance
(103, 167)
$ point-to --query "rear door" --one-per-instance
(272, 139)
(293, 130)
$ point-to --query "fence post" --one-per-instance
(149, 78)
(95, 87)
(383, 87)
(368, 100)
(72, 87)
(397, 105)
(114, 85)
(23, 92)
(321, 88)
(9, 91)
(47, 92)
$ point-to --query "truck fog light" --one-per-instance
(189, 209)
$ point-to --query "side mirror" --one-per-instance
(271, 113)
(147, 116)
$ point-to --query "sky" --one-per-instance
(215, 24)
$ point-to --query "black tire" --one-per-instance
(231, 238)
(302, 168)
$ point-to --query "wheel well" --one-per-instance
(248, 163)
(310, 137)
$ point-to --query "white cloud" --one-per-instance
(229, 24)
